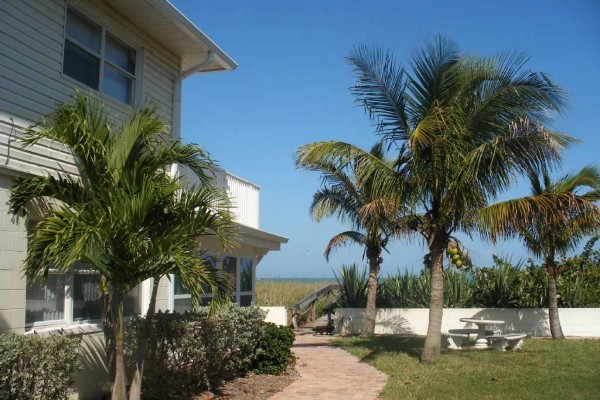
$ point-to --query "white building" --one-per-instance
(123, 53)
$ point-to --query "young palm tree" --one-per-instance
(352, 200)
(575, 215)
(465, 126)
(123, 215)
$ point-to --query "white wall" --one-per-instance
(13, 247)
(576, 322)
(276, 315)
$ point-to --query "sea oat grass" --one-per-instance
(285, 293)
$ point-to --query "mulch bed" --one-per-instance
(252, 387)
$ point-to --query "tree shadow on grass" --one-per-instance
(412, 346)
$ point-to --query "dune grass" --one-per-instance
(545, 369)
(284, 293)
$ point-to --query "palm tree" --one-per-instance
(465, 126)
(575, 216)
(123, 215)
(352, 200)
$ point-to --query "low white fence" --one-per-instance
(575, 322)
(277, 315)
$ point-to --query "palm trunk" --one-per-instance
(368, 328)
(433, 341)
(135, 392)
(108, 324)
(555, 328)
(119, 385)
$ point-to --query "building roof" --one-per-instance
(168, 26)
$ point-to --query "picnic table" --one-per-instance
(481, 342)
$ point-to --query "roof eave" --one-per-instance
(195, 33)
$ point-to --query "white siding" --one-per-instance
(244, 195)
(31, 45)
(31, 86)
(245, 198)
(39, 159)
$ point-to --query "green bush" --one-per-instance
(188, 353)
(353, 284)
(496, 287)
(274, 350)
(35, 368)
(404, 290)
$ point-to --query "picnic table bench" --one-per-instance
(458, 337)
(511, 341)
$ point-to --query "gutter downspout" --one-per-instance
(197, 68)
(176, 117)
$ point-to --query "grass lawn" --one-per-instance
(545, 369)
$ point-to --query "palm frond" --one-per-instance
(63, 188)
(381, 88)
(344, 239)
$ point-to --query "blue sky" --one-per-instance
(292, 88)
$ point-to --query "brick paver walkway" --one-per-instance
(327, 372)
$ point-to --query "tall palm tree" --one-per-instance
(465, 126)
(352, 200)
(122, 214)
(575, 215)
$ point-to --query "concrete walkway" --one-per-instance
(327, 372)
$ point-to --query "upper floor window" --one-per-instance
(98, 59)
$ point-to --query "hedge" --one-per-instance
(36, 368)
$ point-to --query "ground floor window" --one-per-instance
(241, 273)
(68, 298)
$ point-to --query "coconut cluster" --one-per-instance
(454, 255)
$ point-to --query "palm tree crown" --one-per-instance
(465, 126)
(122, 214)
(374, 219)
(573, 215)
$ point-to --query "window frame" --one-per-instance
(236, 296)
(69, 296)
(69, 303)
(101, 56)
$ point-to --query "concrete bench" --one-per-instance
(458, 337)
(511, 341)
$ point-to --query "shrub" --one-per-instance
(497, 287)
(36, 368)
(404, 291)
(353, 284)
(190, 352)
(505, 285)
(274, 350)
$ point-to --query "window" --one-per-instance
(245, 293)
(240, 272)
(47, 302)
(98, 59)
(182, 299)
(70, 297)
(230, 266)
